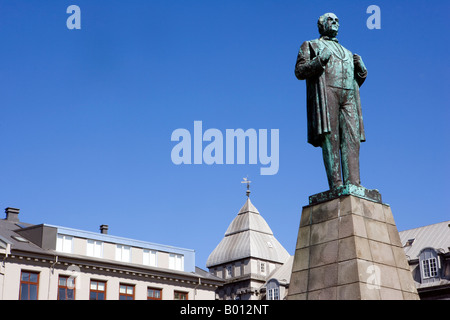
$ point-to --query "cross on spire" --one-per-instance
(248, 185)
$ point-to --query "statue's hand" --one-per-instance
(357, 61)
(324, 56)
(359, 64)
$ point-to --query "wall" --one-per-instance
(48, 282)
(109, 252)
(110, 241)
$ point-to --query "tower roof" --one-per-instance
(248, 218)
(247, 236)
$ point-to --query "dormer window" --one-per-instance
(123, 253)
(94, 248)
(149, 258)
(273, 294)
(429, 265)
(176, 262)
(429, 268)
(64, 243)
(273, 290)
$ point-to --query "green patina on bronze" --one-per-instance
(349, 189)
(333, 76)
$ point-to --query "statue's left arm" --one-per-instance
(360, 69)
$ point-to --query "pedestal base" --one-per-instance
(345, 190)
(349, 248)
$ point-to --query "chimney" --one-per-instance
(104, 228)
(12, 214)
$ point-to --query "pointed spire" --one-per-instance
(248, 237)
(248, 207)
(248, 186)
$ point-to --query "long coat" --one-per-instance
(308, 67)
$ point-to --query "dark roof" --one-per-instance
(207, 275)
(7, 231)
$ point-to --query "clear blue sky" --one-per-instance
(86, 115)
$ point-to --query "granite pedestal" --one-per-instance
(348, 248)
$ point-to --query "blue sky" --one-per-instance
(87, 115)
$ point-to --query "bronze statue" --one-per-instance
(333, 77)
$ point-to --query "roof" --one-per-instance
(248, 218)
(248, 235)
(283, 273)
(436, 236)
(7, 231)
(9, 234)
(119, 240)
(207, 275)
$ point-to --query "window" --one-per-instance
(262, 268)
(123, 253)
(126, 292)
(64, 243)
(94, 248)
(97, 290)
(178, 295)
(150, 258)
(429, 268)
(273, 294)
(66, 288)
(176, 262)
(20, 239)
(429, 265)
(154, 294)
(29, 285)
(273, 290)
(229, 272)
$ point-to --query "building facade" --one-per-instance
(47, 262)
(255, 266)
(251, 261)
(428, 251)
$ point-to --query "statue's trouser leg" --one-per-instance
(331, 141)
(350, 138)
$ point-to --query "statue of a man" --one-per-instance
(333, 77)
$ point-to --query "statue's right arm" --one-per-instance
(305, 67)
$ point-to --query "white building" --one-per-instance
(47, 262)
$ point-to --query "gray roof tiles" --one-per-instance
(248, 235)
(436, 236)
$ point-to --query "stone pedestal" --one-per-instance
(348, 248)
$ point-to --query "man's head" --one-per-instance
(328, 25)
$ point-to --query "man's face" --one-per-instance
(331, 25)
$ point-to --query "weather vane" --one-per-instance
(248, 185)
